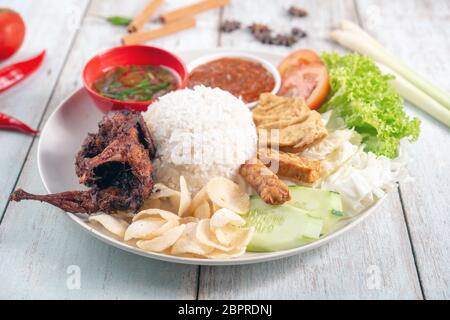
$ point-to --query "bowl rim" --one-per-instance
(244, 55)
(183, 80)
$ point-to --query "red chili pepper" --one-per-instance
(7, 122)
(13, 74)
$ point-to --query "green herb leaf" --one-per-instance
(338, 213)
(109, 95)
(146, 98)
(161, 86)
(119, 21)
(115, 85)
(129, 91)
(142, 84)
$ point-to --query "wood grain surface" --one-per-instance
(401, 252)
(25, 102)
(422, 28)
(378, 249)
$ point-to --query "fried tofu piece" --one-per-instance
(298, 127)
(268, 186)
(291, 166)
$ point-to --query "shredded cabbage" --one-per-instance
(364, 179)
(363, 97)
(360, 177)
(333, 151)
(340, 144)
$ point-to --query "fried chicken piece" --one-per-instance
(291, 166)
(268, 186)
(115, 162)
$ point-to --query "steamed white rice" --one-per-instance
(200, 134)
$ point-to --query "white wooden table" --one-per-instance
(401, 252)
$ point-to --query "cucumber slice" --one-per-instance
(280, 227)
(257, 203)
(317, 202)
(310, 214)
(321, 204)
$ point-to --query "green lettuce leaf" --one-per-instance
(364, 98)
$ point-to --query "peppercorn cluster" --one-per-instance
(264, 34)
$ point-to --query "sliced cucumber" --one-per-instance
(281, 227)
(317, 202)
(322, 204)
(257, 203)
(310, 214)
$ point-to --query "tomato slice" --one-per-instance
(297, 59)
(309, 81)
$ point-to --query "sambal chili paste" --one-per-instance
(242, 78)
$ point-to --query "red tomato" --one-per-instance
(297, 59)
(309, 81)
(12, 32)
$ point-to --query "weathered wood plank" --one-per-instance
(317, 25)
(38, 243)
(414, 30)
(204, 35)
(28, 100)
(373, 261)
(35, 254)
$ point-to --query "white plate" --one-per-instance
(67, 128)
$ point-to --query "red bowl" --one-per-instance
(128, 55)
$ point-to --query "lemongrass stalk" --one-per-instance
(347, 25)
(418, 97)
(403, 87)
(360, 43)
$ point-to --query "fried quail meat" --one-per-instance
(115, 163)
(89, 201)
(268, 186)
(292, 166)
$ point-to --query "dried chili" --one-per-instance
(10, 123)
(15, 73)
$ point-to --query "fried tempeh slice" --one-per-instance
(268, 186)
(288, 123)
(278, 112)
(291, 166)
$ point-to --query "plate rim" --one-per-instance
(253, 257)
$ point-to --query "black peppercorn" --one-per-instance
(230, 26)
(297, 12)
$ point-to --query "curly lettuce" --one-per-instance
(363, 97)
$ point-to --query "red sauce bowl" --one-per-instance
(124, 56)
